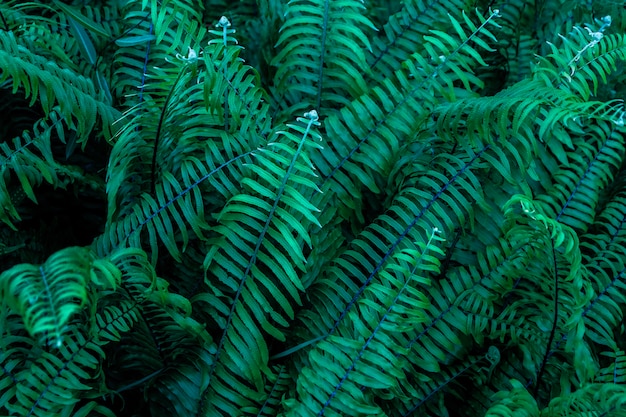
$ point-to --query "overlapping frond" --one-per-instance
(418, 208)
(404, 33)
(206, 116)
(366, 136)
(222, 282)
(585, 59)
(589, 168)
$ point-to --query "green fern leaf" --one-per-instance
(364, 351)
(258, 251)
(52, 85)
(48, 296)
(321, 54)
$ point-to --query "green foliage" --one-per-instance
(312, 207)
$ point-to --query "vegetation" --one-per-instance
(313, 207)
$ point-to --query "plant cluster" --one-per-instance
(312, 207)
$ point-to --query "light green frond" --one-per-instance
(417, 208)
(232, 89)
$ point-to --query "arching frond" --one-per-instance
(363, 353)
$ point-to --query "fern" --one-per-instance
(312, 208)
(321, 51)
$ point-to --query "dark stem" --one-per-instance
(4, 22)
(554, 323)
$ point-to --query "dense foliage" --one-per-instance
(313, 207)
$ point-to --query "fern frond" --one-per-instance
(232, 89)
(366, 136)
(258, 249)
(54, 382)
(363, 352)
(559, 292)
(404, 33)
(321, 59)
(615, 372)
(48, 296)
(31, 161)
(516, 402)
(586, 58)
(277, 388)
(579, 183)
(176, 209)
(149, 38)
(418, 207)
(599, 399)
(42, 80)
(471, 367)
(167, 16)
(178, 391)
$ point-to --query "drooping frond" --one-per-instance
(52, 86)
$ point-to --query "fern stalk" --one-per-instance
(157, 137)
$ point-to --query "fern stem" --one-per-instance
(158, 133)
(379, 325)
(554, 322)
(4, 22)
(320, 69)
(274, 389)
